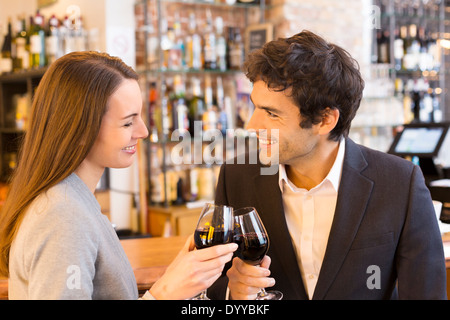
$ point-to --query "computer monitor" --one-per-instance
(423, 140)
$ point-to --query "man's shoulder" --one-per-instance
(383, 161)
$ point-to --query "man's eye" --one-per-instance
(270, 114)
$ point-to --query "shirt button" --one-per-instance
(311, 276)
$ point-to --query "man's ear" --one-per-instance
(329, 121)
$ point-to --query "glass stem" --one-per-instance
(203, 295)
(262, 292)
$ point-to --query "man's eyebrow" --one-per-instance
(267, 108)
(130, 116)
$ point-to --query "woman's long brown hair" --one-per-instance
(66, 115)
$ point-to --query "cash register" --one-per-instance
(428, 145)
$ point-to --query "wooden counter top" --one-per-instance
(150, 257)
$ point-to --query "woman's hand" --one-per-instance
(192, 271)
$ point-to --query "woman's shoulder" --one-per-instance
(62, 206)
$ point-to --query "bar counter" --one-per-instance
(150, 257)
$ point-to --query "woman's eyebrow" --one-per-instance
(130, 116)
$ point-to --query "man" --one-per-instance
(344, 221)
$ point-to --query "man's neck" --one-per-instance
(309, 173)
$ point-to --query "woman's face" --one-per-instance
(121, 128)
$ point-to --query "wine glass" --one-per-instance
(215, 226)
(253, 241)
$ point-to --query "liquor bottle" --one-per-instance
(179, 107)
(222, 124)
(221, 46)
(152, 110)
(67, 35)
(415, 46)
(383, 46)
(178, 52)
(37, 42)
(52, 40)
(166, 110)
(193, 184)
(80, 35)
(230, 41)
(6, 62)
(398, 50)
(194, 56)
(437, 112)
(434, 50)
(209, 50)
(196, 104)
(210, 115)
(412, 47)
(166, 43)
(22, 42)
(236, 51)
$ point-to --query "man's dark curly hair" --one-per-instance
(320, 75)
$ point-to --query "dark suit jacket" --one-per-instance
(384, 217)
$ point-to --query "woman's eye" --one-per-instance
(129, 124)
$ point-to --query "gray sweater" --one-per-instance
(67, 249)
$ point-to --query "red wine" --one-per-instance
(252, 246)
(204, 238)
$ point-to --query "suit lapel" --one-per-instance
(270, 207)
(353, 196)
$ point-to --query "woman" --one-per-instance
(54, 241)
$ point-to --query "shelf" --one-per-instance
(417, 73)
(210, 3)
(142, 70)
(428, 18)
(22, 75)
(11, 131)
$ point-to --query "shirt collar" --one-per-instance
(334, 175)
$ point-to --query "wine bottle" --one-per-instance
(52, 40)
(249, 1)
(236, 51)
(383, 46)
(194, 56)
(179, 107)
(209, 116)
(166, 44)
(398, 50)
(196, 104)
(209, 50)
(178, 52)
(221, 46)
(80, 35)
(222, 123)
(22, 41)
(37, 42)
(6, 62)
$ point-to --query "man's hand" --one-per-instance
(245, 280)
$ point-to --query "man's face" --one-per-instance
(276, 110)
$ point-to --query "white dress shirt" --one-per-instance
(309, 215)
